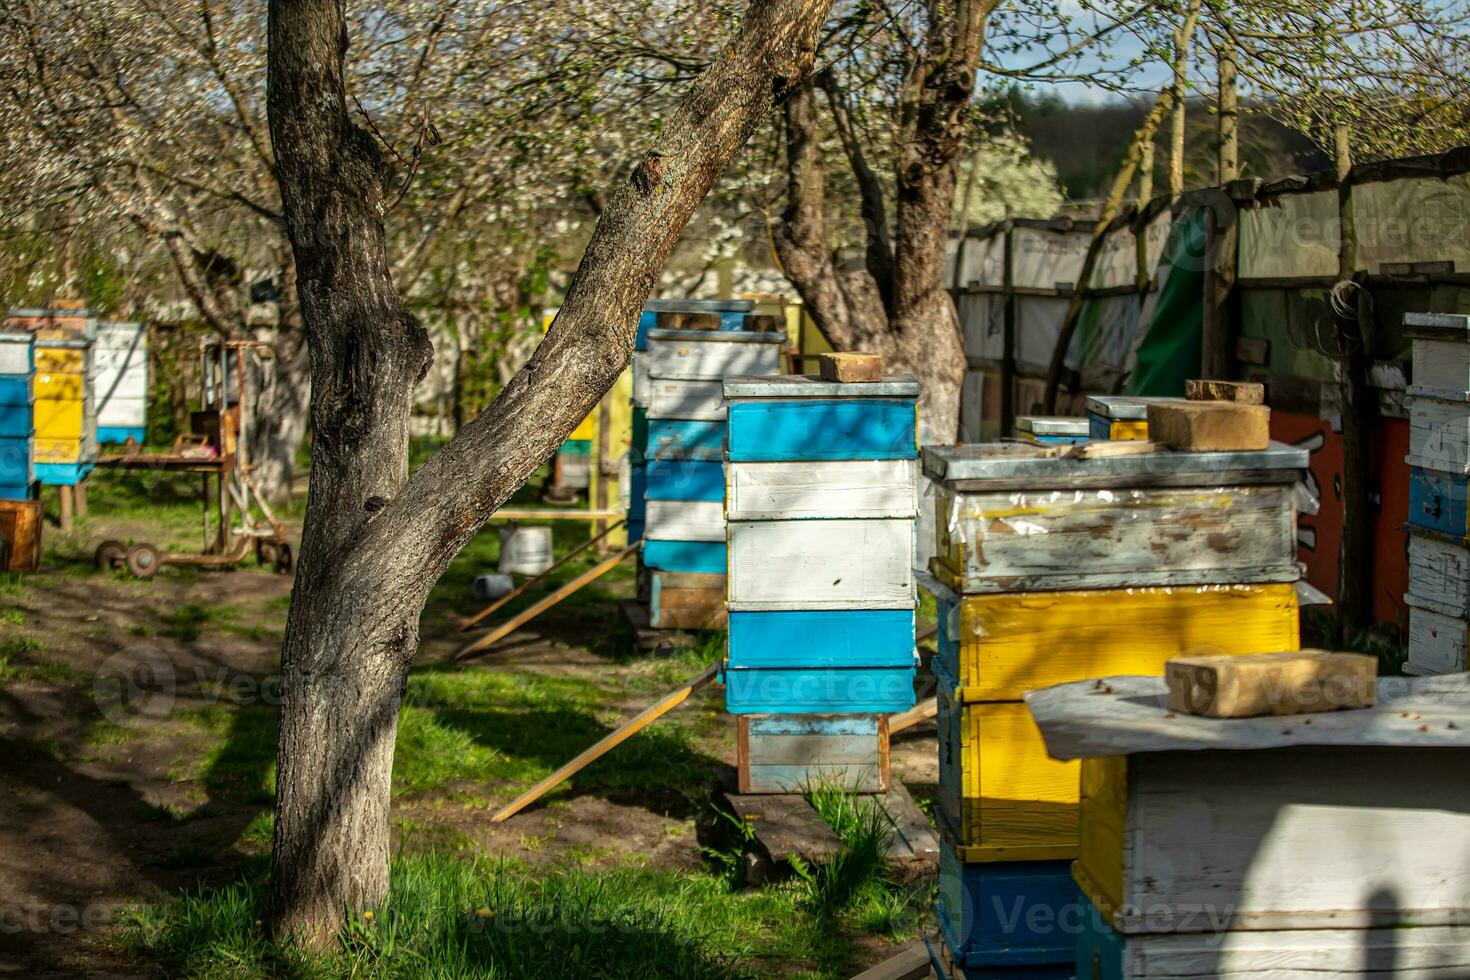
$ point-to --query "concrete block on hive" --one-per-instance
(1304, 682)
(1210, 426)
(1240, 392)
(851, 367)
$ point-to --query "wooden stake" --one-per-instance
(535, 580)
(68, 503)
(520, 619)
(632, 727)
(922, 711)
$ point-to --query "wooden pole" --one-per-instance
(67, 502)
(524, 617)
(536, 580)
(1008, 338)
(632, 727)
(922, 711)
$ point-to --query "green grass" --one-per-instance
(12, 617)
(188, 622)
(452, 916)
(1386, 641)
(19, 661)
(855, 882)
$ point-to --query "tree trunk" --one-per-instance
(375, 541)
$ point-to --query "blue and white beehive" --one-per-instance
(821, 506)
(1439, 464)
(120, 380)
(17, 416)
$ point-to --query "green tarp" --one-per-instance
(1170, 351)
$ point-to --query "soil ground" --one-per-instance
(137, 728)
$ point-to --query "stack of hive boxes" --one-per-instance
(820, 494)
(1056, 569)
(683, 557)
(1120, 416)
(17, 419)
(1439, 461)
(120, 380)
(731, 314)
(65, 410)
(1327, 845)
(1052, 429)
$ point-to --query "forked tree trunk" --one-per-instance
(375, 541)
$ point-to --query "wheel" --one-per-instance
(143, 560)
(110, 554)
(265, 552)
(284, 559)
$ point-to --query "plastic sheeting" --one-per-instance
(1169, 346)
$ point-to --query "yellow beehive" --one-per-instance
(1128, 429)
(60, 360)
(999, 646)
(60, 409)
(55, 419)
(1004, 798)
(59, 387)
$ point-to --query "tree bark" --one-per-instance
(375, 541)
(910, 321)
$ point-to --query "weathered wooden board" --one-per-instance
(1004, 915)
(821, 429)
(999, 646)
(642, 382)
(686, 601)
(701, 356)
(684, 479)
(1439, 434)
(823, 489)
(1437, 643)
(799, 753)
(685, 520)
(1440, 364)
(992, 467)
(1000, 794)
(1420, 953)
(821, 564)
(830, 690)
(1292, 838)
(685, 439)
(1439, 571)
(685, 556)
(822, 638)
(669, 398)
(1438, 501)
(1079, 539)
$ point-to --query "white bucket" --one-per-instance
(525, 550)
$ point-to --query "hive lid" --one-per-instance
(812, 386)
(699, 305)
(720, 336)
(1124, 715)
(1040, 467)
(1052, 425)
(1124, 407)
(1437, 326)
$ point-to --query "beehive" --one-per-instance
(1312, 834)
(65, 414)
(120, 380)
(1119, 416)
(17, 416)
(1052, 429)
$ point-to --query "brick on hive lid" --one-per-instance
(854, 366)
(1210, 426)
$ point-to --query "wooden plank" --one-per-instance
(1439, 572)
(822, 489)
(821, 564)
(914, 845)
(822, 638)
(525, 616)
(1439, 501)
(1303, 682)
(818, 429)
(1215, 426)
(686, 601)
(1006, 645)
(553, 514)
(685, 439)
(684, 479)
(1439, 434)
(786, 824)
(1441, 365)
(1080, 539)
(701, 401)
(707, 557)
(1437, 643)
(712, 357)
(531, 583)
(685, 520)
(611, 741)
(910, 963)
(919, 713)
(798, 753)
(849, 367)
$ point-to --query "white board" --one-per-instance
(829, 488)
(1436, 642)
(685, 520)
(711, 360)
(1441, 364)
(1439, 434)
(696, 400)
(1439, 573)
(821, 564)
(128, 413)
(15, 357)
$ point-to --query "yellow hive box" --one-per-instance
(58, 419)
(58, 450)
(1000, 646)
(59, 387)
(1124, 430)
(60, 360)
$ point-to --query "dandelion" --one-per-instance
(368, 915)
(484, 913)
